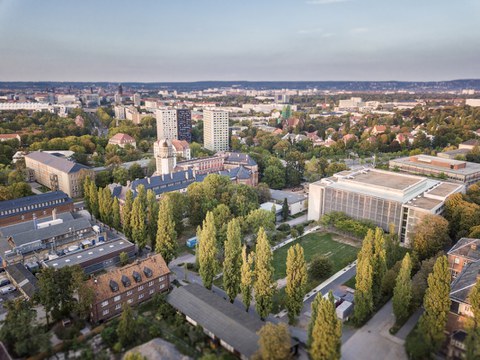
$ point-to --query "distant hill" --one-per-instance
(358, 86)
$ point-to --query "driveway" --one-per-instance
(373, 340)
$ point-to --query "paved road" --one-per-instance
(373, 340)
(297, 221)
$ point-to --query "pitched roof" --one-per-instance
(463, 284)
(225, 320)
(34, 200)
(466, 247)
(23, 278)
(240, 158)
(180, 145)
(55, 162)
(101, 284)
(9, 136)
(120, 137)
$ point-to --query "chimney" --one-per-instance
(148, 180)
(171, 176)
(54, 214)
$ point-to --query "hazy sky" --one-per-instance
(191, 40)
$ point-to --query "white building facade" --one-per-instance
(215, 130)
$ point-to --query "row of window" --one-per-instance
(32, 207)
(130, 292)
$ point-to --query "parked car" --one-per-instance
(7, 289)
(4, 281)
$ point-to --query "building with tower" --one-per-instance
(165, 157)
(215, 130)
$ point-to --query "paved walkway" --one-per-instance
(374, 341)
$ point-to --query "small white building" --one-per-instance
(296, 202)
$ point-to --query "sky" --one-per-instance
(256, 40)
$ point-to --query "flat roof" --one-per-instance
(444, 189)
(292, 198)
(386, 179)
(424, 203)
(90, 253)
(469, 169)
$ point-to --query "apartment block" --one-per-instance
(131, 284)
(57, 173)
(184, 125)
(215, 130)
(166, 124)
(381, 197)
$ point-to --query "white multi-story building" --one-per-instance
(166, 124)
(215, 130)
(381, 197)
(136, 99)
(119, 112)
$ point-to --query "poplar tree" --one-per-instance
(116, 214)
(296, 281)
(246, 278)
(166, 237)
(313, 316)
(127, 213)
(233, 260)
(207, 251)
(264, 286)
(436, 304)
(285, 209)
(105, 205)
(152, 217)
(473, 324)
(364, 280)
(402, 293)
(327, 332)
(93, 192)
(137, 223)
(379, 265)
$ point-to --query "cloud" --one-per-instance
(359, 30)
(319, 31)
(325, 2)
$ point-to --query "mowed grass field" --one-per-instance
(316, 244)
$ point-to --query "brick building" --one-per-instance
(38, 206)
(132, 284)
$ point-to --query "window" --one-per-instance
(129, 301)
(105, 312)
(151, 291)
(129, 292)
(150, 283)
(141, 296)
(105, 303)
(457, 260)
(118, 306)
(117, 298)
(162, 286)
(140, 288)
(161, 278)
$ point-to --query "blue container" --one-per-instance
(191, 243)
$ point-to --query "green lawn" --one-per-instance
(313, 244)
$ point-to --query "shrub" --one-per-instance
(320, 267)
(284, 227)
(294, 233)
(109, 336)
(300, 229)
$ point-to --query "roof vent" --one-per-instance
(113, 286)
(148, 272)
(125, 281)
(137, 277)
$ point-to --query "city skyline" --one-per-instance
(188, 40)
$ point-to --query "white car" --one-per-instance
(7, 289)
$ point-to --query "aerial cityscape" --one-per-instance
(266, 180)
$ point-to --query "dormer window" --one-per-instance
(113, 286)
(126, 281)
(137, 277)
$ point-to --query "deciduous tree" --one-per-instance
(296, 281)
(473, 324)
(436, 304)
(127, 213)
(232, 263)
(166, 237)
(127, 326)
(274, 342)
(247, 273)
(137, 223)
(402, 293)
(207, 251)
(431, 236)
(116, 221)
(264, 286)
(364, 281)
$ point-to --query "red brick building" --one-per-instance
(132, 284)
